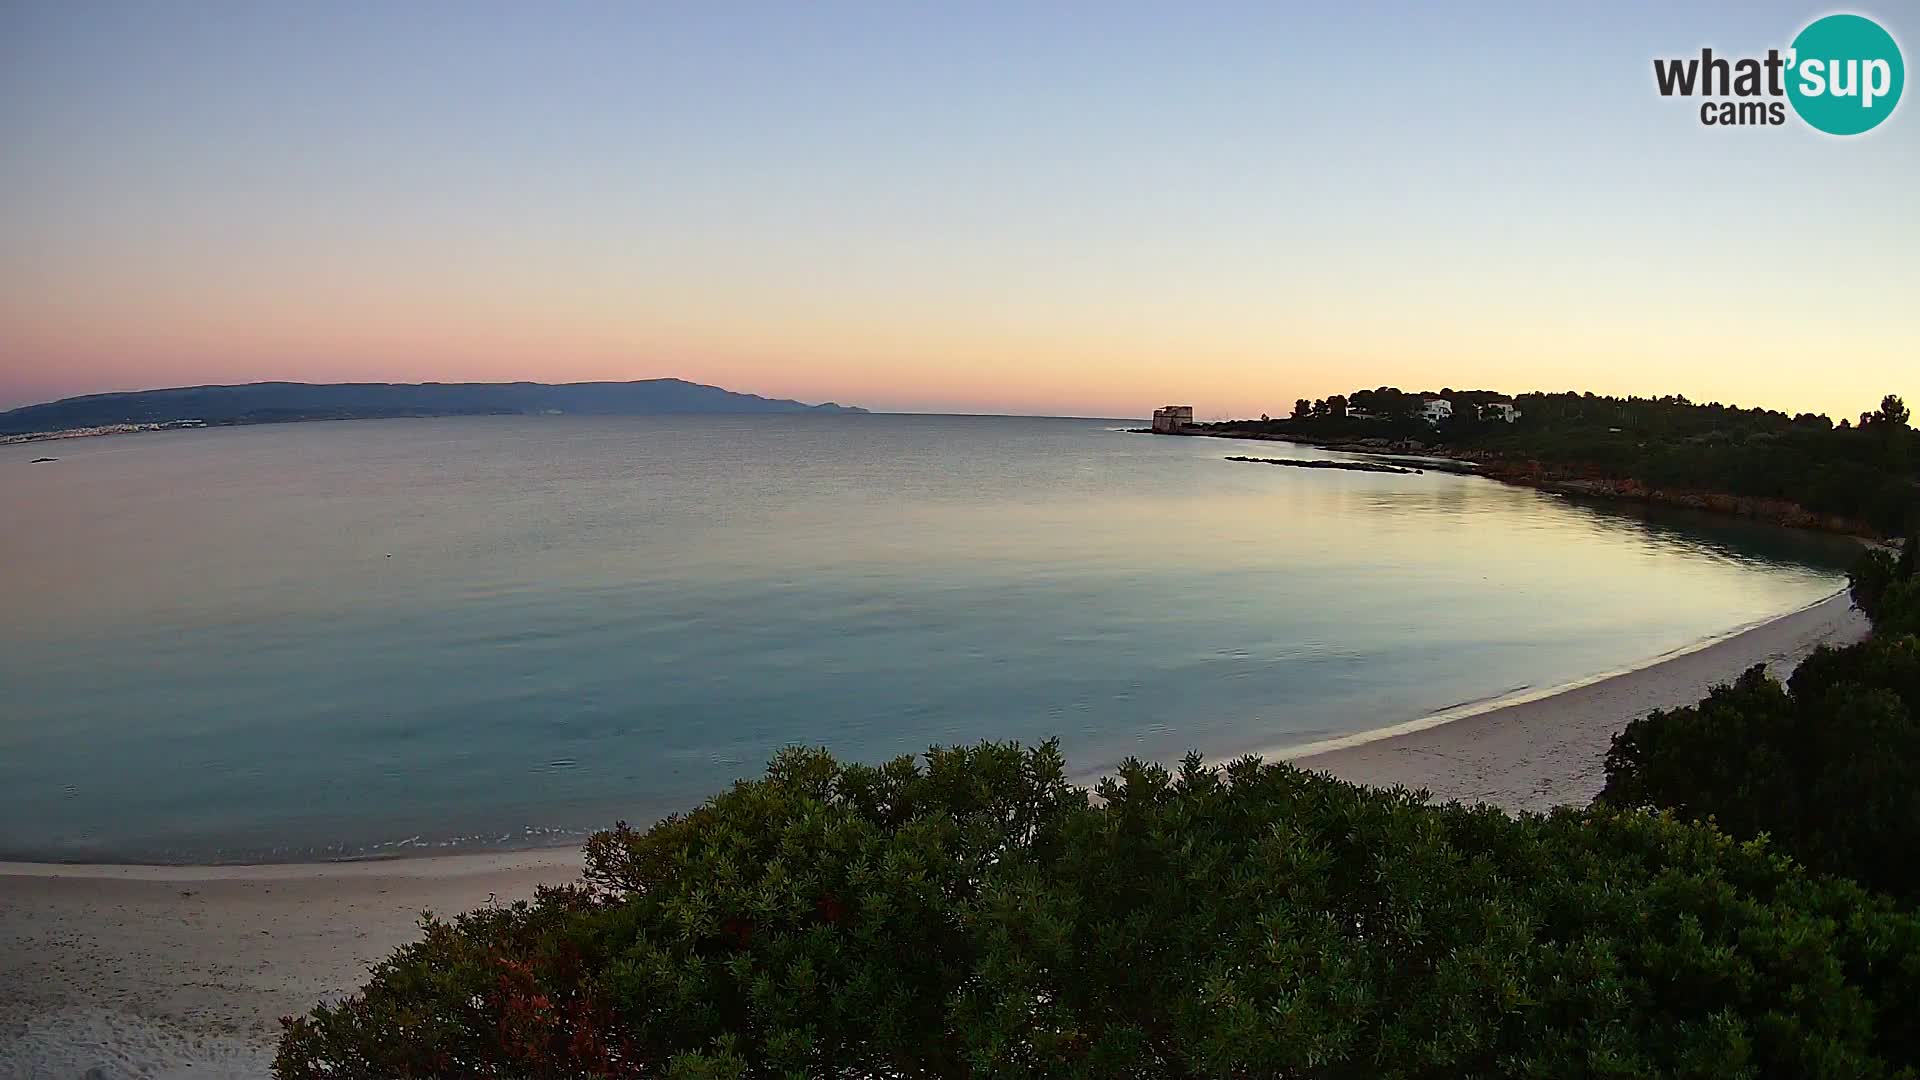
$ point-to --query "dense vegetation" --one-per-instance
(1864, 472)
(1828, 765)
(979, 916)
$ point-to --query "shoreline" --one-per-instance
(455, 864)
(183, 971)
(1532, 752)
(1563, 481)
(373, 866)
(1468, 710)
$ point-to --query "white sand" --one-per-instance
(185, 971)
(1551, 751)
(114, 971)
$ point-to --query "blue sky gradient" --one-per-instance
(994, 207)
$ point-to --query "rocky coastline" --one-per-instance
(1349, 466)
(1565, 480)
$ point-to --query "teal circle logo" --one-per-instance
(1845, 74)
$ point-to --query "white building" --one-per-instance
(1504, 411)
(1435, 409)
(1172, 418)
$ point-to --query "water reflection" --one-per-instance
(210, 654)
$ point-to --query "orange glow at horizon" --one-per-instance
(1121, 355)
(926, 209)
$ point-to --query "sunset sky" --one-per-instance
(1085, 209)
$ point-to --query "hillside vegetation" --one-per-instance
(1865, 474)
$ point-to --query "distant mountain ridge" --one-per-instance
(280, 402)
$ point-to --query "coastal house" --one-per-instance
(1504, 411)
(1436, 409)
(1170, 419)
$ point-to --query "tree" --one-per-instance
(1892, 414)
(1320, 407)
(979, 916)
(1337, 405)
(1890, 422)
(1874, 575)
(1798, 470)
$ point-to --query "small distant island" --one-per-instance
(287, 402)
(1803, 470)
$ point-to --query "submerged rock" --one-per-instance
(1350, 466)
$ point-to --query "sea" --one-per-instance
(399, 637)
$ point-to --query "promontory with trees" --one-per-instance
(1741, 901)
(1858, 476)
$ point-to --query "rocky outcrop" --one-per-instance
(1573, 482)
(1349, 466)
(1570, 480)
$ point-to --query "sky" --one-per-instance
(1035, 207)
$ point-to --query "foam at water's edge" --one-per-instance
(1481, 706)
(1487, 705)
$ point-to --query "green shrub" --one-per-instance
(979, 916)
(1828, 766)
(1886, 588)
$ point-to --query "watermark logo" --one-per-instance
(1848, 74)
(1843, 75)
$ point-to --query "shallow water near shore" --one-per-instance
(349, 639)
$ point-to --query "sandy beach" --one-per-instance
(160, 971)
(1551, 750)
(112, 971)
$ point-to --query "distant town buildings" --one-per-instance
(1171, 418)
(98, 429)
(1434, 410)
(1504, 411)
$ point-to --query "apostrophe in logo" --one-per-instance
(1845, 74)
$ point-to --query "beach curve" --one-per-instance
(1535, 751)
(175, 971)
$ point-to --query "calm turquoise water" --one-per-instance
(356, 638)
